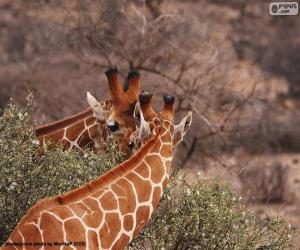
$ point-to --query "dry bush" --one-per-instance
(264, 183)
(182, 52)
(179, 53)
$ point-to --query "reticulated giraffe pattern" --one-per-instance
(110, 211)
(90, 131)
(109, 217)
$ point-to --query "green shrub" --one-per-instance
(27, 175)
(197, 216)
(206, 215)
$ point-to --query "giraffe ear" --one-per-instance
(91, 100)
(181, 128)
(98, 111)
(143, 131)
(138, 115)
(140, 121)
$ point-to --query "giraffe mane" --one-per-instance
(51, 127)
(109, 176)
(94, 185)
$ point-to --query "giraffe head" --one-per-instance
(121, 122)
(148, 122)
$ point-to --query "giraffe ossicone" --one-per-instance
(110, 211)
(147, 119)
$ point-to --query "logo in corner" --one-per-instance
(283, 8)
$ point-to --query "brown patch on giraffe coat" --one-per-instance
(74, 130)
(166, 151)
(90, 120)
(66, 248)
(104, 134)
(92, 241)
(53, 232)
(128, 203)
(31, 234)
(128, 222)
(156, 147)
(143, 170)
(94, 219)
(94, 131)
(16, 237)
(75, 231)
(142, 188)
(165, 182)
(110, 229)
(108, 201)
(55, 136)
(121, 243)
(98, 194)
(156, 130)
(62, 212)
(84, 140)
(167, 137)
(156, 196)
(65, 143)
(157, 167)
(78, 208)
(142, 216)
(92, 204)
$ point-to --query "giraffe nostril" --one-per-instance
(113, 127)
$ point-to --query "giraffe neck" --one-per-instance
(78, 131)
(108, 212)
(87, 132)
(52, 127)
(60, 124)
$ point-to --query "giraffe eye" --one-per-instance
(114, 126)
(130, 145)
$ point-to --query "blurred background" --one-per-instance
(235, 66)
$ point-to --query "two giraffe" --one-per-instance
(91, 127)
(110, 211)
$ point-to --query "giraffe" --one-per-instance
(120, 121)
(51, 127)
(111, 210)
(86, 129)
(89, 127)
